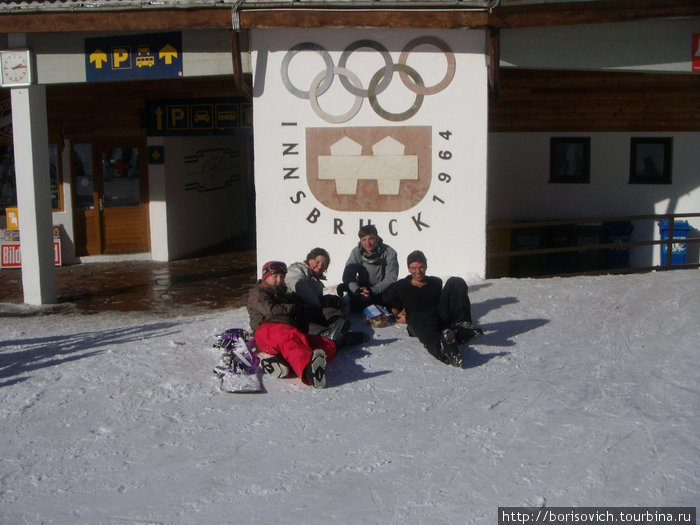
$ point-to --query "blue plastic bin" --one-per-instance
(617, 232)
(678, 251)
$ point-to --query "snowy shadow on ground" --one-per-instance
(44, 352)
(500, 334)
(482, 308)
(346, 368)
(472, 358)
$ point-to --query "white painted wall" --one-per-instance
(291, 220)
(158, 207)
(519, 187)
(660, 45)
(197, 219)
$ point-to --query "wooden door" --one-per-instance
(111, 214)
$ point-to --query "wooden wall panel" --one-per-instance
(595, 101)
(530, 100)
(117, 109)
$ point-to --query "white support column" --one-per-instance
(158, 207)
(31, 146)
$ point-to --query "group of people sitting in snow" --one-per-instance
(302, 328)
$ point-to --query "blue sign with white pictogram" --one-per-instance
(202, 116)
(133, 57)
(156, 154)
(209, 116)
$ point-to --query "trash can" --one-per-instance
(588, 235)
(617, 232)
(678, 250)
(526, 265)
(559, 236)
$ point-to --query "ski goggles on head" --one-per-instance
(272, 267)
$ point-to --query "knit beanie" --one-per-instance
(273, 267)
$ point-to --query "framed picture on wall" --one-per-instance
(650, 160)
(570, 159)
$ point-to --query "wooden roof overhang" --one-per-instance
(67, 16)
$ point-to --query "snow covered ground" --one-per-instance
(584, 391)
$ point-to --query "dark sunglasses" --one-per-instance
(275, 267)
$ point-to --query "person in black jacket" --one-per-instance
(439, 317)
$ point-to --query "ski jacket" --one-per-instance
(270, 304)
(378, 270)
(301, 281)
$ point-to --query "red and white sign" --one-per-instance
(696, 51)
(11, 254)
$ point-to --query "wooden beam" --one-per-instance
(406, 18)
(127, 20)
(179, 19)
(162, 19)
(572, 13)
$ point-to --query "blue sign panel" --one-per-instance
(156, 154)
(210, 116)
(133, 57)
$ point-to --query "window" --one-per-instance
(570, 159)
(650, 160)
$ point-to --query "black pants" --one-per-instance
(358, 303)
(319, 319)
(454, 307)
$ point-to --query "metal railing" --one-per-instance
(498, 253)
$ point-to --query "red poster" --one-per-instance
(11, 254)
(696, 51)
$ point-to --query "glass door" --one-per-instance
(111, 198)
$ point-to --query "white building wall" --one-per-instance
(204, 185)
(519, 187)
(519, 162)
(445, 217)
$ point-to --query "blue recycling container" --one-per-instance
(680, 231)
(526, 265)
(617, 232)
(588, 234)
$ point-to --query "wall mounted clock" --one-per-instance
(16, 67)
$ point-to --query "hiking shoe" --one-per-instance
(274, 367)
(336, 332)
(438, 353)
(450, 348)
(315, 371)
(466, 331)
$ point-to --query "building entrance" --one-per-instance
(111, 188)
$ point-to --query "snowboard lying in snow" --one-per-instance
(236, 383)
(238, 365)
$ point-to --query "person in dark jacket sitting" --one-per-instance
(275, 324)
(439, 316)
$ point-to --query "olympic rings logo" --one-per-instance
(379, 82)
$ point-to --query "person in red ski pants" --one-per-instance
(273, 319)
